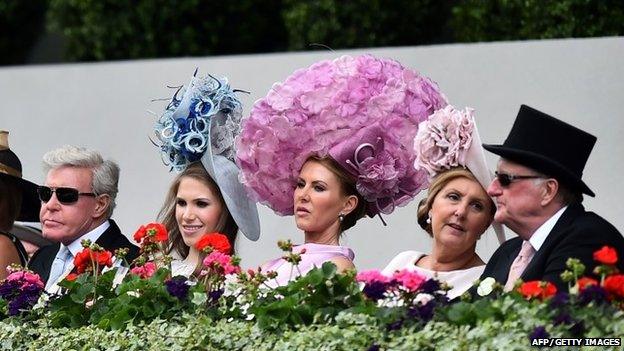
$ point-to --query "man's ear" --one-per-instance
(350, 204)
(102, 202)
(549, 191)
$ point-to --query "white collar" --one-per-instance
(76, 246)
(540, 235)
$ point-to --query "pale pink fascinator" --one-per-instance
(362, 111)
(448, 139)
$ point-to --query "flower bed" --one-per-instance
(226, 308)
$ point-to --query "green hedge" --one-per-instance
(116, 29)
(489, 20)
(365, 23)
(348, 332)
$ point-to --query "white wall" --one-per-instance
(103, 106)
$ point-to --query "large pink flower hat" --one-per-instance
(362, 111)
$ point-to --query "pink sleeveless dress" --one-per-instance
(315, 255)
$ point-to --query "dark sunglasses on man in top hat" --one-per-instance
(505, 179)
(64, 195)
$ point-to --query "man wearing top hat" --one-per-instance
(77, 202)
(538, 191)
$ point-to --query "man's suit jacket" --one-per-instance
(111, 239)
(577, 234)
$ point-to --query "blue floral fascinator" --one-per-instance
(202, 125)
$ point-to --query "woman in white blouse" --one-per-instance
(456, 212)
(457, 209)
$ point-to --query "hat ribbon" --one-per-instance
(10, 171)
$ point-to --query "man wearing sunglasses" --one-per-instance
(77, 202)
(538, 192)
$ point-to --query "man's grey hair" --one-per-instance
(105, 172)
(565, 194)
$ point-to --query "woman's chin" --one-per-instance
(189, 242)
(190, 239)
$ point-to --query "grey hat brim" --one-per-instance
(226, 174)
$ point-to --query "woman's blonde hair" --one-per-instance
(226, 224)
(438, 183)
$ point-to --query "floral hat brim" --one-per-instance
(202, 126)
(319, 107)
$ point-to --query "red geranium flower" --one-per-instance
(217, 241)
(82, 260)
(71, 277)
(103, 258)
(157, 231)
(614, 284)
(538, 289)
(140, 234)
(85, 259)
(151, 232)
(585, 282)
(606, 255)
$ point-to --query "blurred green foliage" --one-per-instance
(21, 23)
(119, 29)
(365, 23)
(489, 20)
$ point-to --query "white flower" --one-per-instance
(42, 302)
(486, 286)
(231, 285)
(423, 298)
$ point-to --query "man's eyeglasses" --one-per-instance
(505, 179)
(65, 196)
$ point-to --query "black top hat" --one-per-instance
(548, 145)
(11, 167)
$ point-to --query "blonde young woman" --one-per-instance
(196, 134)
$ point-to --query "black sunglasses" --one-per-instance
(505, 179)
(65, 196)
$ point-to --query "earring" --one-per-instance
(341, 217)
(429, 219)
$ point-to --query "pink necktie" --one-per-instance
(519, 264)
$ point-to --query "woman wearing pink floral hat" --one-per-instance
(457, 209)
(332, 143)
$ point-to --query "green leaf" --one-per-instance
(199, 298)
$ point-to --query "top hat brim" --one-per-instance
(541, 164)
(29, 211)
